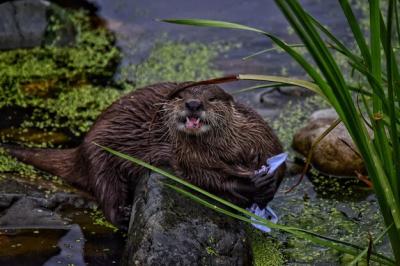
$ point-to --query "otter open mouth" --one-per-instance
(193, 122)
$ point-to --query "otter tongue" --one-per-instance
(192, 122)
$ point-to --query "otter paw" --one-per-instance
(264, 196)
(262, 177)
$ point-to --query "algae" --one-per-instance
(48, 82)
(98, 219)
(177, 62)
(350, 222)
(266, 250)
(293, 116)
(9, 164)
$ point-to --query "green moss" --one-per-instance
(75, 109)
(58, 83)
(266, 250)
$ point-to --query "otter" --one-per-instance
(199, 131)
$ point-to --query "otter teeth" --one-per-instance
(192, 122)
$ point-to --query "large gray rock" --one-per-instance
(336, 154)
(22, 23)
(168, 229)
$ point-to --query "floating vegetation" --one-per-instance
(99, 219)
(176, 62)
(266, 250)
(60, 87)
(293, 116)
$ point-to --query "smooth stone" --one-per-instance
(336, 154)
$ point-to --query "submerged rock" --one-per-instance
(336, 154)
(168, 229)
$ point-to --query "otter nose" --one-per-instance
(193, 105)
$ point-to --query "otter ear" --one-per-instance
(223, 95)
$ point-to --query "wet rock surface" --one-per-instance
(336, 154)
(22, 23)
(168, 229)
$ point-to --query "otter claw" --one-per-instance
(262, 171)
(262, 176)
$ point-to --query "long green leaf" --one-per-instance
(295, 82)
(357, 32)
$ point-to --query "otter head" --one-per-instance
(199, 110)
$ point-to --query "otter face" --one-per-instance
(201, 109)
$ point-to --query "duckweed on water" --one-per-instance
(56, 84)
(293, 116)
(8, 164)
(170, 61)
(346, 221)
(266, 250)
(80, 106)
(99, 219)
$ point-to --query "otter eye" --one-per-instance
(179, 97)
(212, 99)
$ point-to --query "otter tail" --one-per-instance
(58, 162)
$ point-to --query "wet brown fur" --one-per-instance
(141, 124)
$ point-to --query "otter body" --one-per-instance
(201, 132)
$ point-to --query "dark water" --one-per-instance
(79, 242)
(136, 22)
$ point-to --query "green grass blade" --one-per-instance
(339, 45)
(212, 23)
(381, 139)
(211, 206)
(289, 81)
(357, 32)
(261, 86)
(270, 49)
(393, 129)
